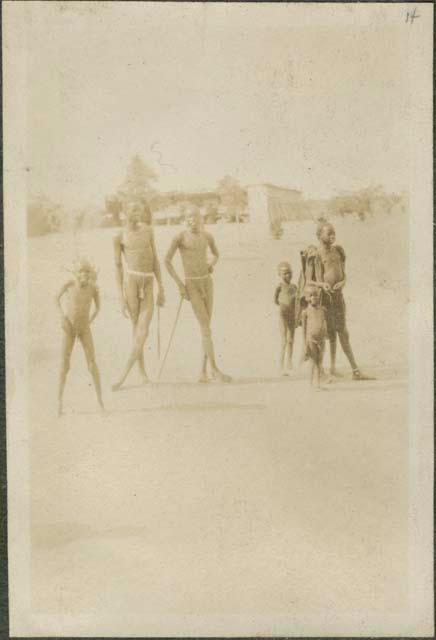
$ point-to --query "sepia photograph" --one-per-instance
(219, 330)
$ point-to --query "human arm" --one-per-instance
(304, 327)
(276, 295)
(214, 251)
(157, 272)
(96, 298)
(311, 282)
(314, 270)
(63, 318)
(340, 285)
(119, 273)
(170, 268)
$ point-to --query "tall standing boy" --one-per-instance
(193, 245)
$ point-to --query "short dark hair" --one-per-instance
(284, 265)
(320, 226)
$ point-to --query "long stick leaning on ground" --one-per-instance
(171, 337)
(158, 332)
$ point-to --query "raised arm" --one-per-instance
(170, 268)
(214, 251)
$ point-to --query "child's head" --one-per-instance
(193, 219)
(285, 272)
(84, 272)
(325, 232)
(134, 212)
(311, 294)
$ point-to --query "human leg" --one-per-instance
(207, 295)
(146, 307)
(335, 325)
(290, 341)
(344, 339)
(136, 285)
(315, 352)
(283, 329)
(88, 347)
(68, 340)
(201, 297)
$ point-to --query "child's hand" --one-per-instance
(210, 268)
(160, 298)
(183, 292)
(326, 287)
(339, 285)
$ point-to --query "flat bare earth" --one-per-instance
(259, 496)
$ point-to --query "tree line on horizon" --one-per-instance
(228, 200)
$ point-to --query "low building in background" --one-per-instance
(270, 206)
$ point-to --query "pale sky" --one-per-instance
(266, 93)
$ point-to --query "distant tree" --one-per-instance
(139, 180)
(43, 215)
(114, 207)
(322, 219)
(159, 201)
(233, 197)
(211, 213)
(364, 203)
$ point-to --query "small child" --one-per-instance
(76, 322)
(314, 332)
(285, 297)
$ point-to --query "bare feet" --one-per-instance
(336, 374)
(203, 377)
(117, 386)
(144, 378)
(221, 377)
(358, 375)
(327, 379)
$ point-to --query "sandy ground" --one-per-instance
(260, 496)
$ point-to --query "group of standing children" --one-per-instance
(317, 304)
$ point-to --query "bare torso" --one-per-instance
(137, 248)
(316, 327)
(333, 265)
(287, 292)
(79, 300)
(193, 250)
